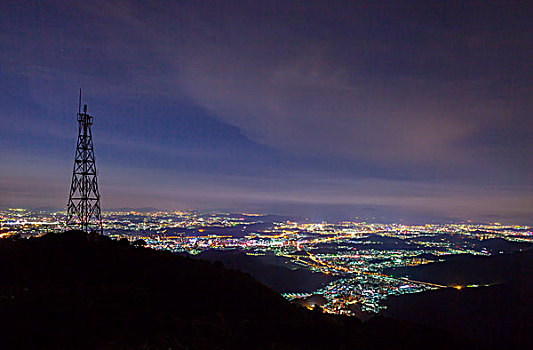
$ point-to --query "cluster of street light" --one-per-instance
(356, 253)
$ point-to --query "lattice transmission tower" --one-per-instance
(83, 210)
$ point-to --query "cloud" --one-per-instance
(261, 69)
(417, 105)
(257, 68)
(297, 194)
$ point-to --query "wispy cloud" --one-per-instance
(405, 105)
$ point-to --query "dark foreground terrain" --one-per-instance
(269, 269)
(73, 291)
(500, 314)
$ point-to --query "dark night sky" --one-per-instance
(397, 110)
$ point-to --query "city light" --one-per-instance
(355, 255)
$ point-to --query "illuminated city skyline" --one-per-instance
(360, 257)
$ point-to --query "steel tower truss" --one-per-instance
(83, 210)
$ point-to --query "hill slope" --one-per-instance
(269, 269)
(499, 314)
(74, 291)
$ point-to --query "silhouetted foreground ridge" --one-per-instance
(73, 291)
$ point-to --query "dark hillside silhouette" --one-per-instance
(74, 291)
(499, 314)
(279, 277)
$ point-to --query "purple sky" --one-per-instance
(412, 111)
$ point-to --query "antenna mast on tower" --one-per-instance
(83, 210)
